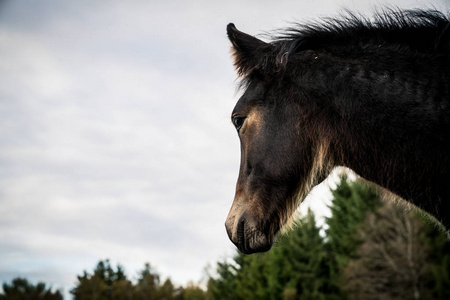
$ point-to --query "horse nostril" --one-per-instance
(240, 230)
(237, 228)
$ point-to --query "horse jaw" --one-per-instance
(253, 228)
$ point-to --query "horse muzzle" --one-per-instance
(247, 237)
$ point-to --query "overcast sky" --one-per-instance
(115, 136)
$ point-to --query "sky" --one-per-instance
(115, 133)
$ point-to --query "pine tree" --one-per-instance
(100, 284)
(89, 287)
(223, 285)
(193, 292)
(298, 264)
(252, 277)
(379, 250)
(148, 284)
(391, 261)
(122, 289)
(20, 288)
(350, 205)
(437, 278)
(296, 268)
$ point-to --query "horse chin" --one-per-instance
(255, 242)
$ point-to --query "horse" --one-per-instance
(368, 94)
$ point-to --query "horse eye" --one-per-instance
(238, 122)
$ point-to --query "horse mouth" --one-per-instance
(249, 239)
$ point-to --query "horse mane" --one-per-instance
(418, 30)
(409, 31)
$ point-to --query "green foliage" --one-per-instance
(105, 283)
(391, 260)
(148, 283)
(20, 289)
(224, 284)
(193, 292)
(437, 280)
(252, 281)
(296, 268)
(122, 290)
(298, 263)
(402, 256)
(351, 202)
(108, 283)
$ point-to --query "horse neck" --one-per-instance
(387, 122)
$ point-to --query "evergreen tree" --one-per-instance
(148, 284)
(20, 289)
(298, 264)
(100, 284)
(350, 204)
(193, 292)
(122, 289)
(252, 277)
(108, 283)
(296, 268)
(402, 257)
(391, 261)
(90, 287)
(223, 285)
(437, 278)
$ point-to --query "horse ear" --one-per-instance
(249, 53)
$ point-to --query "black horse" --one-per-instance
(371, 95)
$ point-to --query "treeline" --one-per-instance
(107, 283)
(368, 249)
(20, 289)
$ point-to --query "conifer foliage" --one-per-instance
(107, 283)
(21, 288)
(275, 274)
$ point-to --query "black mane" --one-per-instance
(407, 33)
(414, 30)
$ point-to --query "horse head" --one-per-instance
(280, 158)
